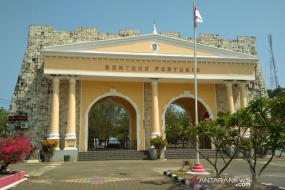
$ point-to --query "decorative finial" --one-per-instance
(154, 28)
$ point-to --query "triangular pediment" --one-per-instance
(142, 47)
(146, 47)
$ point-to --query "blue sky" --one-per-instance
(229, 19)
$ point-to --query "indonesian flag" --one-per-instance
(197, 16)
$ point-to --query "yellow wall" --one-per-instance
(144, 47)
(92, 89)
(166, 91)
(135, 66)
(189, 105)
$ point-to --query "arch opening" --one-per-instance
(185, 111)
(110, 127)
(120, 133)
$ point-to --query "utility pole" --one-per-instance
(273, 70)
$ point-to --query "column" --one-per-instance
(54, 123)
(243, 100)
(230, 99)
(155, 113)
(70, 139)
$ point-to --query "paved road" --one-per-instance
(127, 175)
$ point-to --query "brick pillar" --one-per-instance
(230, 99)
(243, 100)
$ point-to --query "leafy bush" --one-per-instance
(158, 142)
(14, 149)
(48, 147)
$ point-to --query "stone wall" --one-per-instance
(33, 92)
(147, 113)
(221, 97)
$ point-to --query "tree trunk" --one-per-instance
(3, 167)
(253, 181)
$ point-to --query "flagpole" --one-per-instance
(195, 84)
(197, 168)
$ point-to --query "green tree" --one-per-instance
(96, 124)
(123, 127)
(170, 115)
(220, 134)
(3, 118)
(178, 132)
(265, 119)
(177, 125)
(275, 92)
(183, 118)
(176, 117)
(108, 120)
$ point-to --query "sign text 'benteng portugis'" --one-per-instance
(149, 69)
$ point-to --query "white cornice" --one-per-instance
(148, 56)
(148, 75)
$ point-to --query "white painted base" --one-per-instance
(58, 155)
(198, 173)
(31, 161)
(70, 149)
(53, 136)
(155, 134)
(153, 153)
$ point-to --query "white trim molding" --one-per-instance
(113, 93)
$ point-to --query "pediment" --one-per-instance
(141, 47)
(146, 47)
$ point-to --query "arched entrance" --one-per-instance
(133, 140)
(187, 102)
(110, 126)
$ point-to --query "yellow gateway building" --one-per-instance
(67, 74)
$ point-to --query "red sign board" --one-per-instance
(18, 118)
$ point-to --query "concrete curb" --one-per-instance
(184, 181)
(13, 184)
(10, 179)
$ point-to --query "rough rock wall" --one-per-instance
(33, 92)
(221, 97)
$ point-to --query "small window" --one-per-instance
(154, 46)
